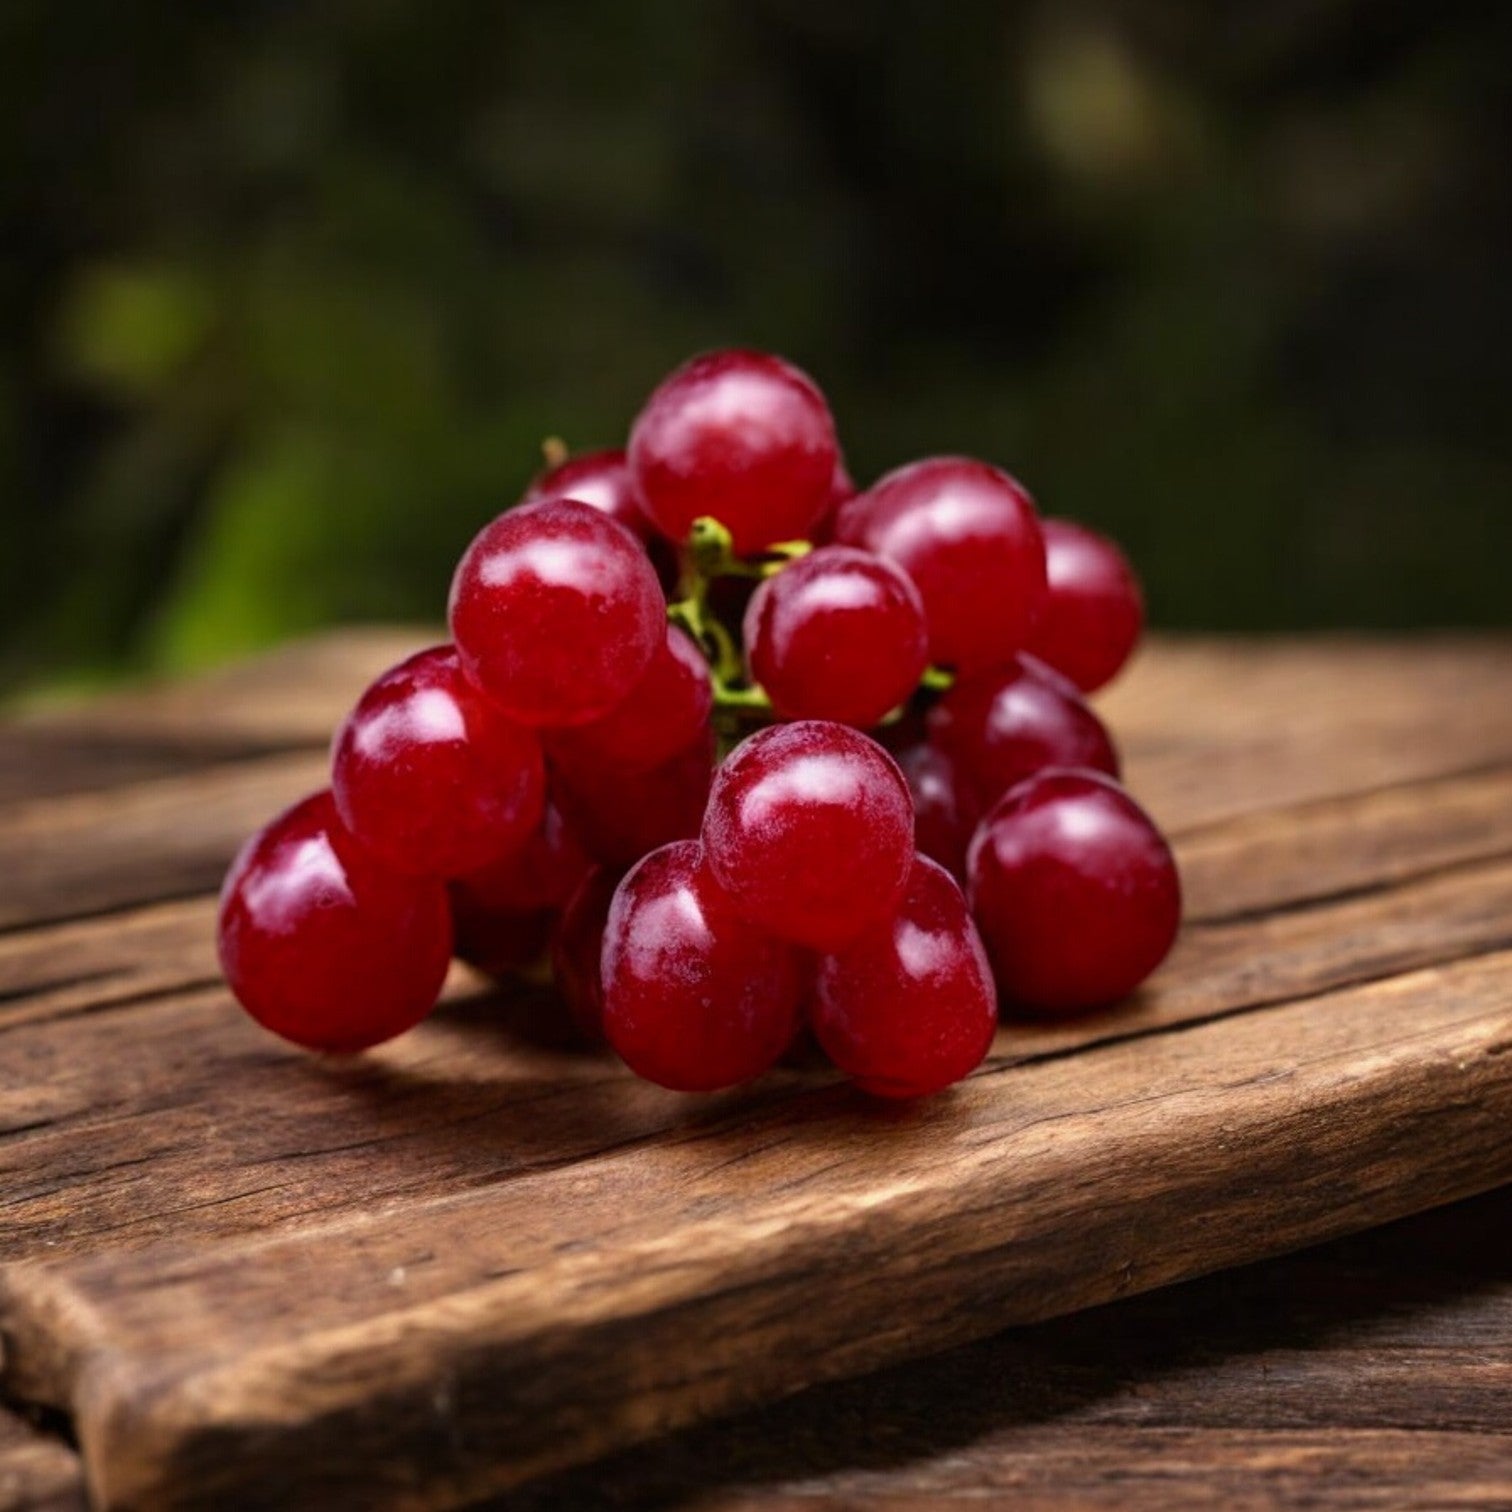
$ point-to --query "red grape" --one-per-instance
(839, 634)
(664, 714)
(842, 489)
(429, 776)
(542, 874)
(1074, 890)
(622, 814)
(556, 613)
(847, 519)
(322, 943)
(500, 942)
(1093, 612)
(602, 479)
(968, 536)
(577, 947)
(740, 436)
(945, 811)
(909, 1007)
(503, 913)
(1005, 725)
(694, 998)
(809, 828)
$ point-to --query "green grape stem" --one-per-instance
(708, 555)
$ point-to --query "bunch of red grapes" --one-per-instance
(549, 782)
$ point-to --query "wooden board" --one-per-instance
(1369, 1373)
(475, 1257)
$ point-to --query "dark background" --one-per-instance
(292, 292)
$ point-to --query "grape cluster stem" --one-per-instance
(708, 555)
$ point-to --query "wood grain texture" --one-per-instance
(1217, 729)
(289, 697)
(477, 1256)
(1199, 1468)
(89, 852)
(132, 1002)
(558, 1317)
(1371, 1372)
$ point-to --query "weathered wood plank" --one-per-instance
(124, 1046)
(227, 1258)
(1312, 851)
(290, 696)
(1217, 689)
(1403, 1328)
(37, 1473)
(561, 1313)
(84, 853)
(94, 964)
(1213, 729)
(283, 700)
(1236, 1469)
(49, 763)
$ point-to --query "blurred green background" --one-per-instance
(293, 291)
